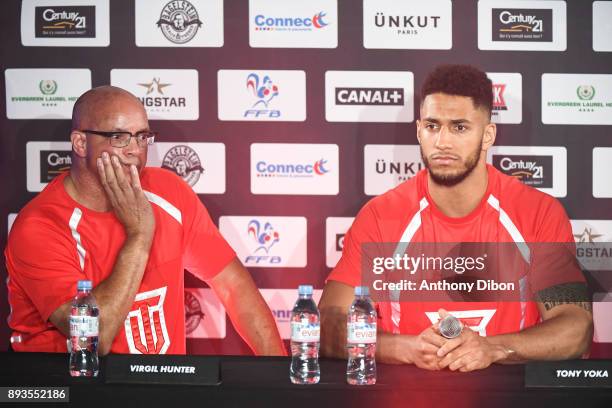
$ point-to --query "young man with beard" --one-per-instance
(459, 198)
(132, 230)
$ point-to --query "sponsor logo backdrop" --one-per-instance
(331, 85)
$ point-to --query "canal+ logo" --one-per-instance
(264, 91)
(267, 23)
(264, 237)
(318, 168)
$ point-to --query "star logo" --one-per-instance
(587, 236)
(153, 85)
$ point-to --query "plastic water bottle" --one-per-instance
(305, 337)
(84, 332)
(361, 339)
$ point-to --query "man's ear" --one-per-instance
(488, 139)
(418, 130)
(79, 143)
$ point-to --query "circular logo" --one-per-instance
(47, 86)
(586, 92)
(179, 21)
(184, 161)
(193, 312)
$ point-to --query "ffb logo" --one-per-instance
(264, 90)
(265, 237)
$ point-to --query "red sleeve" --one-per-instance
(363, 230)
(555, 225)
(42, 262)
(554, 252)
(206, 251)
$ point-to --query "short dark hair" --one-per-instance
(460, 80)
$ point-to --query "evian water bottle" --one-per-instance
(361, 339)
(305, 335)
(84, 332)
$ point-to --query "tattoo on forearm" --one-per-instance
(575, 293)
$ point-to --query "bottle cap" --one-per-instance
(84, 285)
(305, 289)
(362, 291)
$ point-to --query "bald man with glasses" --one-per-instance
(132, 230)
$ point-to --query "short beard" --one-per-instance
(451, 180)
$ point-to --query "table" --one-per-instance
(263, 381)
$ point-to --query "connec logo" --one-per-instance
(264, 91)
(289, 23)
(266, 237)
(265, 169)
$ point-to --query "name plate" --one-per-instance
(162, 369)
(569, 373)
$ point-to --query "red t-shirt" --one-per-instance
(509, 212)
(55, 242)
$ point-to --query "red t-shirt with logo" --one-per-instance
(509, 212)
(55, 242)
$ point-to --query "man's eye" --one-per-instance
(117, 136)
(430, 126)
(461, 128)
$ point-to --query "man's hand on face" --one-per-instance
(469, 351)
(127, 197)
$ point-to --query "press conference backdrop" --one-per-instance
(287, 116)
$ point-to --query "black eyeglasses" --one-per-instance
(122, 139)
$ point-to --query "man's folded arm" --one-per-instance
(333, 306)
(390, 348)
(115, 295)
(247, 309)
(566, 330)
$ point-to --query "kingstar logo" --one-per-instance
(587, 236)
(593, 253)
(155, 85)
(164, 103)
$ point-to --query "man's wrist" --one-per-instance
(141, 240)
(504, 353)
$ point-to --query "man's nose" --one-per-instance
(443, 139)
(132, 147)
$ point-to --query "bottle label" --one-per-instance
(83, 326)
(305, 332)
(361, 333)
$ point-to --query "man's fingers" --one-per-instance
(449, 346)
(135, 178)
(104, 178)
(432, 337)
(428, 348)
(459, 362)
(109, 173)
(443, 313)
(122, 181)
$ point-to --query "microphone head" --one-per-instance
(450, 327)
